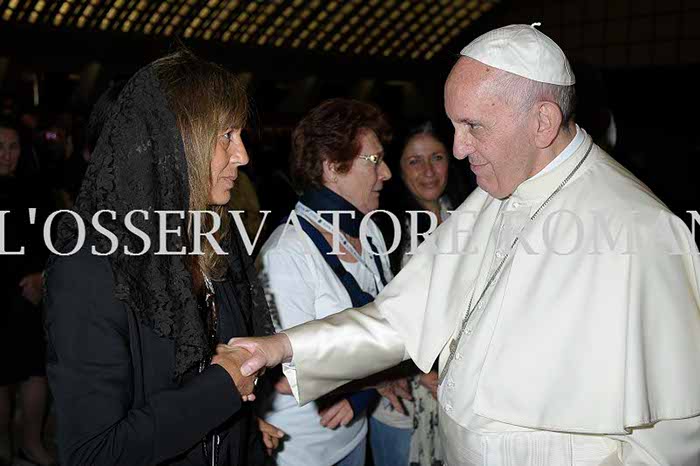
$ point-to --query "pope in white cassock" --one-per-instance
(561, 299)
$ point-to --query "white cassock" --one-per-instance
(586, 350)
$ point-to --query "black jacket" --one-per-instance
(112, 379)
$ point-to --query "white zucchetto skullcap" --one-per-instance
(523, 50)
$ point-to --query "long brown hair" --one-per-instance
(206, 100)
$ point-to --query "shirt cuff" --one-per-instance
(290, 371)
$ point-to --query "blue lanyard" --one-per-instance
(313, 217)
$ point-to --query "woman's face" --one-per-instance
(9, 151)
(362, 183)
(424, 167)
(229, 154)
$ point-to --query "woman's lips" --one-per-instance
(430, 184)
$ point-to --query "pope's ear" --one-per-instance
(549, 119)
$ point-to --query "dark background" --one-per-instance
(637, 60)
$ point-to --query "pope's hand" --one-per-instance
(265, 352)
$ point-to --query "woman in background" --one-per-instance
(338, 163)
(428, 182)
(22, 343)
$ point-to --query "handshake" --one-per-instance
(246, 358)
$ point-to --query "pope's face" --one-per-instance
(490, 132)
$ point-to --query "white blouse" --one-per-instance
(300, 286)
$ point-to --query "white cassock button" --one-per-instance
(450, 384)
(448, 407)
(499, 255)
(458, 356)
(516, 205)
(468, 330)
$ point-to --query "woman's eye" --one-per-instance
(438, 157)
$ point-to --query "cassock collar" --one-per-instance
(543, 185)
(568, 151)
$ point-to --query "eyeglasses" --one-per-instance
(374, 158)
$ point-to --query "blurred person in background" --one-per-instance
(22, 343)
(244, 198)
(430, 182)
(85, 137)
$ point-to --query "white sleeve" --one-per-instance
(346, 346)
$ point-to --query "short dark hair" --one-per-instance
(330, 132)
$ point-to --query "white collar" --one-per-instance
(563, 155)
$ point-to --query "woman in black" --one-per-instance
(133, 334)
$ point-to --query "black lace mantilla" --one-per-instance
(139, 164)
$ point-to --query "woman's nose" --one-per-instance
(384, 171)
(241, 157)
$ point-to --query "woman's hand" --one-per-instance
(430, 381)
(231, 359)
(338, 414)
(271, 435)
(32, 285)
(265, 352)
(392, 390)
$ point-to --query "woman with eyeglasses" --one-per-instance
(338, 162)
